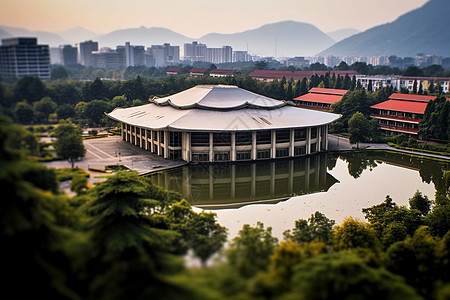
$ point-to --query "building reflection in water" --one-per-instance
(215, 186)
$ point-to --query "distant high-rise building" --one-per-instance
(86, 49)
(241, 56)
(55, 56)
(23, 56)
(214, 55)
(162, 55)
(69, 55)
(194, 52)
(107, 58)
(227, 54)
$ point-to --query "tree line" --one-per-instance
(126, 238)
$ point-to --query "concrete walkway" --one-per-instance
(102, 152)
(336, 143)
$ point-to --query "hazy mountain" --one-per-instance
(339, 35)
(142, 36)
(286, 38)
(424, 30)
(49, 38)
(77, 34)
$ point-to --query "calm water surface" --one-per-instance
(278, 193)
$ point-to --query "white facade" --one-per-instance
(223, 123)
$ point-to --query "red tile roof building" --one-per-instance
(222, 72)
(402, 113)
(198, 72)
(271, 75)
(173, 71)
(320, 98)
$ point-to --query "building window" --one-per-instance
(200, 156)
(149, 134)
(243, 155)
(283, 136)
(243, 138)
(222, 139)
(263, 154)
(161, 137)
(199, 139)
(132, 128)
(124, 136)
(222, 156)
(313, 132)
(138, 141)
(175, 139)
(138, 130)
(299, 150)
(128, 127)
(149, 146)
(300, 135)
(263, 137)
(124, 125)
(155, 136)
(313, 148)
(283, 152)
(132, 139)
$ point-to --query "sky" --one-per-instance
(195, 18)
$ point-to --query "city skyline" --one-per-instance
(198, 17)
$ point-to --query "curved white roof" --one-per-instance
(219, 108)
(219, 97)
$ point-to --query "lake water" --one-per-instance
(277, 193)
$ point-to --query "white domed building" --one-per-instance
(219, 123)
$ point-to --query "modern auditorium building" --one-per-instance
(218, 123)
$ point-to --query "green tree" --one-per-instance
(59, 73)
(344, 276)
(317, 228)
(35, 224)
(359, 128)
(23, 112)
(130, 250)
(207, 236)
(65, 111)
(420, 202)
(250, 251)
(79, 184)
(44, 108)
(29, 88)
(352, 234)
(68, 144)
(95, 111)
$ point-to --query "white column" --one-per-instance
(233, 146)
(211, 149)
(166, 143)
(308, 140)
(291, 143)
(253, 145)
(273, 143)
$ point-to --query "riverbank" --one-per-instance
(338, 144)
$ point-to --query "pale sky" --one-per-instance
(195, 18)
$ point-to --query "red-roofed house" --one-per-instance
(402, 113)
(173, 71)
(320, 98)
(198, 72)
(222, 72)
(271, 75)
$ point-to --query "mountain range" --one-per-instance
(424, 30)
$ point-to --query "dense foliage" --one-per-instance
(125, 238)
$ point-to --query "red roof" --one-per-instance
(319, 98)
(198, 70)
(223, 71)
(273, 74)
(173, 69)
(328, 91)
(414, 107)
(411, 97)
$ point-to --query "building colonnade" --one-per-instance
(197, 146)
